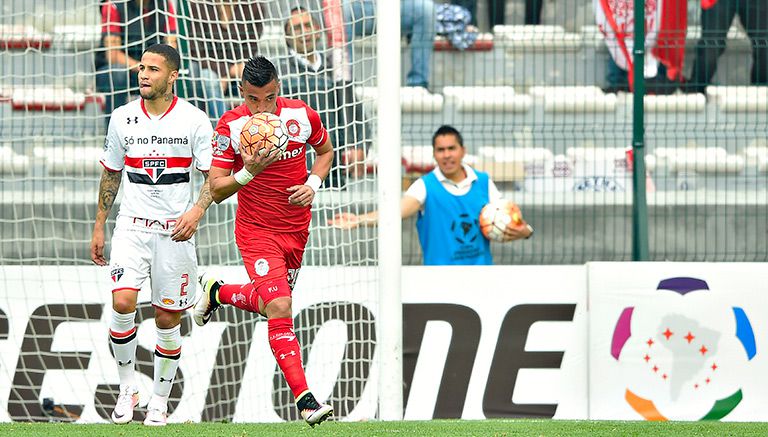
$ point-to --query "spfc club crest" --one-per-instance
(116, 273)
(154, 167)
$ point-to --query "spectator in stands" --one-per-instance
(127, 28)
(716, 19)
(443, 197)
(497, 11)
(308, 76)
(222, 36)
(417, 22)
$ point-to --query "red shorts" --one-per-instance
(271, 257)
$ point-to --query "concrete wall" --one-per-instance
(565, 234)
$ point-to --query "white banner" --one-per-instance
(656, 341)
(531, 355)
(510, 341)
(678, 341)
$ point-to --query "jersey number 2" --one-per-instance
(185, 278)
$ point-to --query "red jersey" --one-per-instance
(263, 202)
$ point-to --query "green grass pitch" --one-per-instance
(496, 428)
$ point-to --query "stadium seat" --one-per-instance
(77, 36)
(272, 41)
(740, 98)
(671, 103)
(705, 160)
(539, 37)
(22, 37)
(51, 99)
(667, 155)
(12, 163)
(412, 99)
(574, 99)
(484, 42)
(610, 158)
(501, 171)
(591, 35)
(70, 159)
(536, 160)
(487, 99)
(756, 152)
(418, 159)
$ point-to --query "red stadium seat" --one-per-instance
(21, 37)
(483, 43)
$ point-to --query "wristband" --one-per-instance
(530, 228)
(243, 176)
(314, 182)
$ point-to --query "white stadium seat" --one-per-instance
(70, 160)
(705, 160)
(756, 152)
(540, 37)
(47, 98)
(12, 163)
(412, 99)
(571, 99)
(672, 102)
(272, 40)
(77, 36)
(487, 99)
(740, 98)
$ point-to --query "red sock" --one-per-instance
(242, 296)
(287, 352)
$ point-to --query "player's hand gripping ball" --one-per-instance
(264, 133)
(495, 216)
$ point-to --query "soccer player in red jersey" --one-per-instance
(272, 221)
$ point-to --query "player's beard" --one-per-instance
(154, 93)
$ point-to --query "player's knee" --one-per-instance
(278, 308)
(166, 319)
(123, 304)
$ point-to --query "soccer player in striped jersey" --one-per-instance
(274, 197)
(154, 142)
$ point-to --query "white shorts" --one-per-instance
(170, 265)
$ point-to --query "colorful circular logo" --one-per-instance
(681, 352)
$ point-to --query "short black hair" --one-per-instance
(447, 130)
(259, 71)
(170, 54)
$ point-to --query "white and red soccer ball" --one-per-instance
(262, 130)
(495, 216)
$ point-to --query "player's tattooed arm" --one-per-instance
(108, 187)
(205, 199)
(186, 225)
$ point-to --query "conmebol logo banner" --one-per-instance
(677, 341)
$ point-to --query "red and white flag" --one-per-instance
(334, 21)
(666, 22)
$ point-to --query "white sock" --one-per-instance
(167, 354)
(122, 336)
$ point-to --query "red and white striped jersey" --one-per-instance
(157, 153)
(263, 203)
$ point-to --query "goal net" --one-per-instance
(57, 89)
